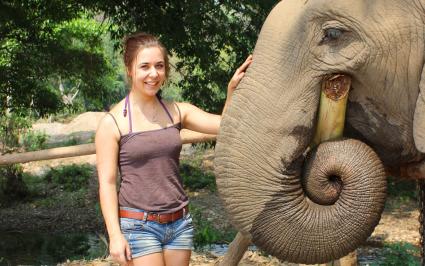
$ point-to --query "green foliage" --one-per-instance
(41, 248)
(65, 199)
(12, 186)
(72, 141)
(402, 189)
(400, 254)
(11, 127)
(402, 193)
(195, 178)
(43, 44)
(34, 140)
(193, 173)
(194, 32)
(70, 177)
(205, 233)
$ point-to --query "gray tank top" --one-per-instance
(149, 167)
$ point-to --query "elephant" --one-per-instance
(307, 204)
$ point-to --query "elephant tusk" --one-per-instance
(333, 104)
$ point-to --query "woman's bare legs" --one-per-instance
(174, 257)
(170, 257)
(155, 259)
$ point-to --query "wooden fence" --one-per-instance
(187, 136)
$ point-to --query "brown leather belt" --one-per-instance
(163, 218)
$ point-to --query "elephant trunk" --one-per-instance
(327, 213)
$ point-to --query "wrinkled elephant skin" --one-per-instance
(262, 173)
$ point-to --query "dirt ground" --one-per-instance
(398, 224)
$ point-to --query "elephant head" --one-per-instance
(316, 210)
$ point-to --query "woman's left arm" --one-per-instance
(198, 120)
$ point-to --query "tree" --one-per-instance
(210, 38)
(42, 41)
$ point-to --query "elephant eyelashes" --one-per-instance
(331, 34)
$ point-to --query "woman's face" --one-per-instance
(148, 71)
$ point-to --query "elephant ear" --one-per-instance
(419, 117)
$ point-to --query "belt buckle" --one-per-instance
(158, 219)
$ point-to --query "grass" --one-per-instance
(71, 141)
(34, 141)
(65, 184)
(194, 178)
(194, 175)
(400, 253)
(205, 231)
(70, 177)
(73, 199)
(401, 193)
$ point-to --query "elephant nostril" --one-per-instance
(323, 189)
(322, 184)
(334, 178)
(335, 181)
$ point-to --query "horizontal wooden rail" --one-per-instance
(187, 136)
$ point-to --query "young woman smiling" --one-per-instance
(148, 220)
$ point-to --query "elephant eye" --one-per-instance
(331, 34)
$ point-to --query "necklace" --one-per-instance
(127, 110)
(154, 116)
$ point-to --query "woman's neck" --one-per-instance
(142, 99)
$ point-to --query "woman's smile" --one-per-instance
(149, 71)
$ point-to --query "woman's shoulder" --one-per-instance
(183, 105)
(117, 109)
(113, 117)
(171, 104)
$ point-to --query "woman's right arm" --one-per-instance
(107, 148)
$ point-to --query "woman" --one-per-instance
(148, 221)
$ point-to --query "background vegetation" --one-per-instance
(60, 58)
(50, 50)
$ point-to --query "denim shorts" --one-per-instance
(147, 237)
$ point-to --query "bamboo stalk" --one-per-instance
(187, 136)
(330, 126)
(333, 103)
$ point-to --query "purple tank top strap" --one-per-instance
(127, 106)
(166, 110)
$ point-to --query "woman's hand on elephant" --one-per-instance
(239, 73)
